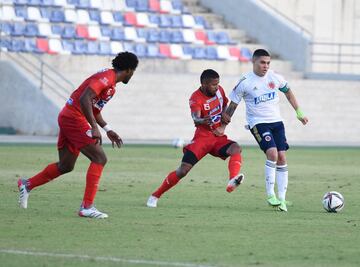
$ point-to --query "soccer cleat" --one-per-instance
(273, 201)
(282, 206)
(24, 193)
(235, 182)
(152, 202)
(92, 212)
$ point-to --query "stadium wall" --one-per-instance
(282, 37)
(24, 107)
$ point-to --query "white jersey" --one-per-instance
(260, 95)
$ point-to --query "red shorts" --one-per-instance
(208, 143)
(75, 133)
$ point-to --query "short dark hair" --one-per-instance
(208, 74)
(260, 53)
(125, 61)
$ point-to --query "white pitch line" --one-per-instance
(99, 258)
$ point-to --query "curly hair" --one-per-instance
(208, 74)
(124, 61)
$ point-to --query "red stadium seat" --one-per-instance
(164, 49)
(130, 19)
(82, 31)
(235, 52)
(202, 36)
(43, 45)
(154, 5)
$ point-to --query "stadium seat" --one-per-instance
(129, 47)
(44, 29)
(188, 51)
(189, 36)
(106, 31)
(200, 22)
(94, 16)
(201, 37)
(80, 47)
(188, 21)
(165, 6)
(82, 31)
(118, 34)
(177, 37)
(153, 36)
(34, 14)
(153, 51)
(57, 30)
(118, 18)
(60, 3)
(245, 54)
(154, 20)
(18, 29)
(5, 44)
(200, 53)
(97, 4)
(84, 4)
(33, 2)
(92, 48)
(177, 52)
(130, 5)
(142, 20)
(165, 36)
(57, 15)
(140, 50)
(6, 28)
(104, 48)
(176, 21)
(31, 30)
(95, 33)
(83, 16)
(42, 44)
(234, 53)
(20, 2)
(154, 6)
(30, 46)
(70, 15)
(106, 17)
(130, 19)
(177, 6)
(223, 38)
(116, 47)
(69, 32)
(45, 13)
(20, 12)
(47, 3)
(165, 21)
(130, 34)
(17, 45)
(164, 50)
(211, 53)
(55, 46)
(68, 46)
(8, 13)
(142, 33)
(142, 6)
(223, 53)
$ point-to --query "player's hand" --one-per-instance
(95, 134)
(304, 120)
(207, 120)
(225, 118)
(219, 131)
(114, 138)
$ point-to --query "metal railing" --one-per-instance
(339, 58)
(43, 75)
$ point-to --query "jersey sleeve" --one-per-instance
(282, 83)
(101, 82)
(194, 104)
(237, 93)
(225, 99)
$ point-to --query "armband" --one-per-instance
(107, 128)
(284, 89)
(299, 113)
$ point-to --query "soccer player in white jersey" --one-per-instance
(260, 90)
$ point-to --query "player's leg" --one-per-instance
(281, 164)
(263, 136)
(98, 159)
(65, 164)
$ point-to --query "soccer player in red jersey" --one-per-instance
(79, 132)
(206, 104)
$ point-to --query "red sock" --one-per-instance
(234, 165)
(43, 177)
(92, 183)
(169, 182)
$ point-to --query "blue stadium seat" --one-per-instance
(94, 15)
(69, 32)
(165, 36)
(176, 22)
(68, 46)
(140, 50)
(20, 2)
(199, 20)
(30, 46)
(142, 6)
(177, 37)
(131, 3)
(17, 45)
(21, 11)
(129, 47)
(106, 31)
(6, 27)
(84, 4)
(223, 38)
(47, 2)
(211, 53)
(31, 30)
(177, 5)
(165, 21)
(92, 48)
(212, 36)
(57, 15)
(45, 13)
(152, 51)
(200, 53)
(118, 34)
(73, 2)
(154, 19)
(57, 29)
(188, 50)
(118, 17)
(104, 48)
(33, 2)
(153, 36)
(18, 29)
(80, 47)
(142, 33)
(5, 43)
(246, 53)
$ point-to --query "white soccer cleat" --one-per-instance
(235, 182)
(152, 202)
(92, 213)
(24, 193)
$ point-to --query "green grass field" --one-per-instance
(197, 223)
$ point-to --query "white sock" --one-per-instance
(270, 170)
(282, 180)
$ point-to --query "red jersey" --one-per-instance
(102, 83)
(212, 106)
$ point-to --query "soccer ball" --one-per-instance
(333, 201)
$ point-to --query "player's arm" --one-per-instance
(111, 134)
(292, 100)
(86, 106)
(196, 116)
(226, 116)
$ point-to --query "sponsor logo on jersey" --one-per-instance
(271, 85)
(264, 98)
(100, 103)
(217, 108)
(110, 91)
(104, 80)
(215, 119)
(211, 99)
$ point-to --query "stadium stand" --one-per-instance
(91, 27)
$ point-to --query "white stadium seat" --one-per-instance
(71, 15)
(165, 6)
(55, 46)
(34, 14)
(83, 16)
(45, 29)
(107, 17)
(188, 21)
(97, 3)
(223, 52)
(143, 20)
(8, 13)
(130, 34)
(60, 3)
(95, 33)
(177, 52)
(116, 47)
(189, 36)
